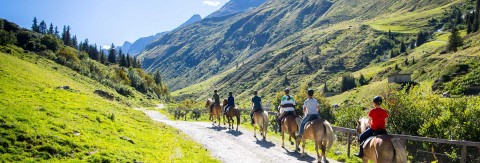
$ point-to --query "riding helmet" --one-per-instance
(377, 100)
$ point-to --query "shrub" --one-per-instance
(69, 54)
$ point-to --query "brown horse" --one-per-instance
(232, 112)
(216, 111)
(321, 132)
(382, 148)
(290, 124)
(260, 119)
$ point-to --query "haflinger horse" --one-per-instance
(231, 112)
(216, 111)
(291, 125)
(260, 119)
(321, 132)
(382, 148)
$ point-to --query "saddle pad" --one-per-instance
(397, 144)
(364, 144)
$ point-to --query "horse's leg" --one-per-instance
(238, 120)
(219, 122)
(255, 131)
(303, 147)
(297, 144)
(283, 139)
(324, 148)
(318, 154)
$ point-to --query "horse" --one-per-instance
(291, 125)
(232, 112)
(321, 132)
(382, 148)
(260, 119)
(216, 111)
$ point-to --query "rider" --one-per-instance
(257, 104)
(378, 121)
(216, 100)
(287, 103)
(310, 107)
(230, 102)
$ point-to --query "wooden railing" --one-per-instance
(463, 157)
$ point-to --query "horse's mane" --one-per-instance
(364, 123)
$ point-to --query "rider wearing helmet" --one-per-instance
(230, 102)
(310, 107)
(216, 100)
(257, 104)
(378, 121)
(288, 104)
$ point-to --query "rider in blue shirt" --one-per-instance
(230, 102)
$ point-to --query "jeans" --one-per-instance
(253, 111)
(364, 136)
(307, 118)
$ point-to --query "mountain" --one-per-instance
(195, 18)
(126, 45)
(140, 44)
(236, 6)
(302, 42)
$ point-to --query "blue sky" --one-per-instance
(108, 21)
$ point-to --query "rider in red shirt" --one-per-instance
(378, 121)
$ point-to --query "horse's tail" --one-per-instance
(330, 136)
(298, 120)
(265, 121)
(238, 116)
(400, 153)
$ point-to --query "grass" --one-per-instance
(42, 123)
(407, 22)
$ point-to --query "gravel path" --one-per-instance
(235, 146)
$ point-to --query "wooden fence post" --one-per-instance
(464, 154)
(349, 141)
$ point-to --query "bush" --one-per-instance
(7, 38)
(51, 42)
(69, 54)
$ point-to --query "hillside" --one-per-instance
(236, 6)
(263, 49)
(41, 122)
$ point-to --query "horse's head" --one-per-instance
(208, 103)
(362, 125)
(225, 101)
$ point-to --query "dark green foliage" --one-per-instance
(403, 47)
(112, 56)
(406, 62)
(158, 78)
(50, 29)
(396, 67)
(422, 37)
(325, 88)
(347, 83)
(454, 41)
(42, 28)
(7, 37)
(35, 27)
(362, 81)
(51, 42)
(285, 81)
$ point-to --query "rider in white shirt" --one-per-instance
(310, 107)
(288, 105)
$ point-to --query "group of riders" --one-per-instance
(377, 115)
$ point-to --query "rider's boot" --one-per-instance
(359, 154)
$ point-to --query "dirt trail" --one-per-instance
(235, 146)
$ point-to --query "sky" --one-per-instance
(108, 21)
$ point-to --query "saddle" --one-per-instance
(375, 134)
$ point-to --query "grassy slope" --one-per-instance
(37, 120)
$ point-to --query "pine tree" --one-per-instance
(158, 78)
(392, 54)
(403, 48)
(43, 27)
(390, 36)
(422, 38)
(134, 63)
(285, 81)
(362, 81)
(413, 60)
(475, 24)
(122, 59)
(128, 60)
(454, 41)
(74, 43)
(35, 27)
(112, 58)
(56, 32)
(406, 62)
(396, 67)
(102, 58)
(279, 71)
(325, 88)
(50, 29)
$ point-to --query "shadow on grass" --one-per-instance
(235, 133)
(299, 157)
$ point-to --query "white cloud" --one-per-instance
(106, 47)
(211, 2)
